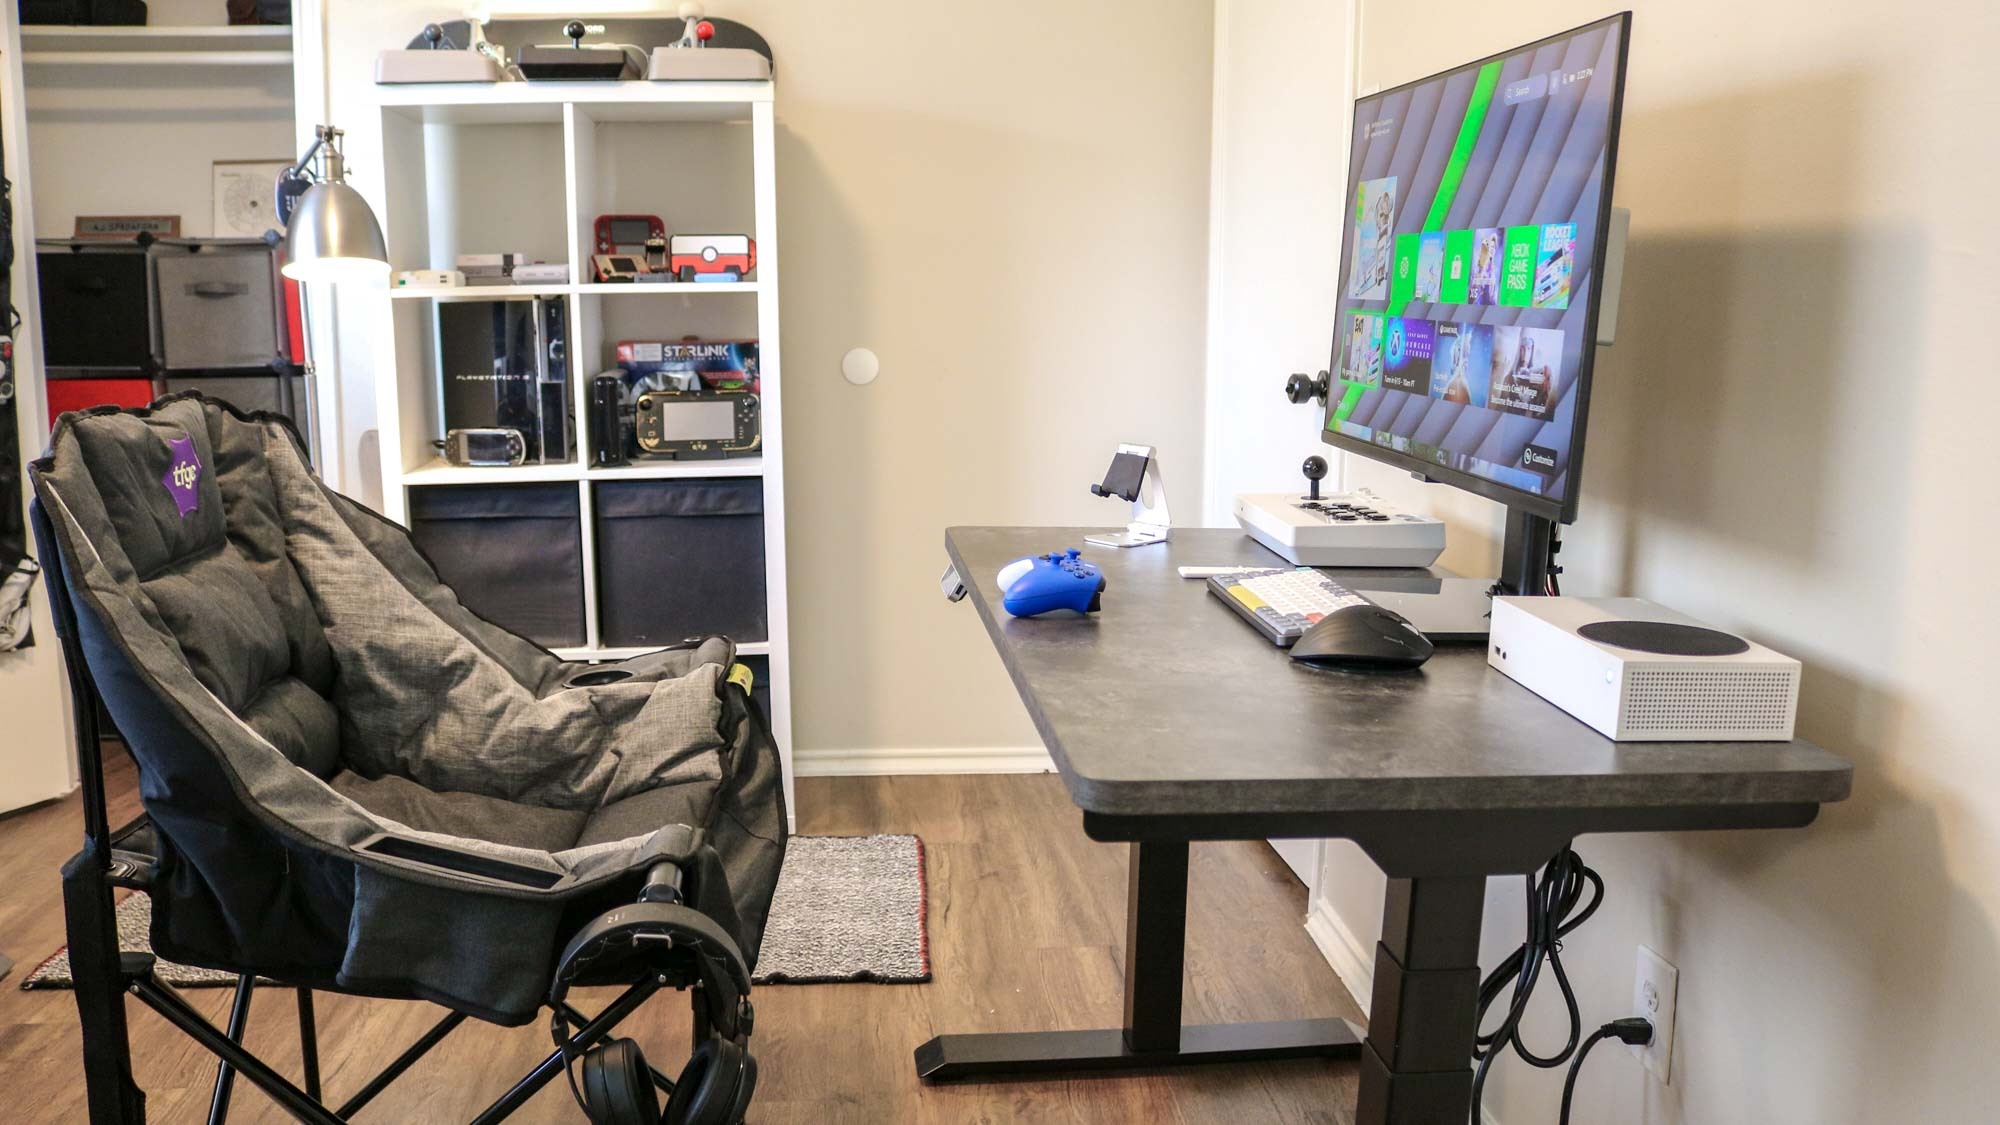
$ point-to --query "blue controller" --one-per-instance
(1056, 581)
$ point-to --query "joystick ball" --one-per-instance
(1315, 470)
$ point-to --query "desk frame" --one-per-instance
(1416, 1054)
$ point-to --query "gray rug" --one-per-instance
(848, 908)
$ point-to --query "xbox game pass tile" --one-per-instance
(1404, 288)
(1517, 266)
(1552, 269)
(1406, 355)
(1362, 362)
(1525, 365)
(1374, 226)
(1430, 265)
(1462, 363)
(1485, 287)
(1457, 267)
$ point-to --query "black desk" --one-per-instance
(1172, 720)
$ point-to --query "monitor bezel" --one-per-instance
(1565, 509)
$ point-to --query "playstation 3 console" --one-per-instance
(1635, 671)
(1351, 529)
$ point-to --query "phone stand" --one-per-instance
(1134, 476)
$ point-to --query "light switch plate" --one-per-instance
(1655, 987)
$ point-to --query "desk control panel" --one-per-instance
(1350, 529)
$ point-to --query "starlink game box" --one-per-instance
(686, 365)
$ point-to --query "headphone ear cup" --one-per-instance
(707, 1091)
(617, 1087)
(745, 1089)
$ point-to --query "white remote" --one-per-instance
(1212, 571)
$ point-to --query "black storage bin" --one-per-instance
(512, 552)
(95, 312)
(680, 558)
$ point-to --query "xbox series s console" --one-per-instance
(1639, 672)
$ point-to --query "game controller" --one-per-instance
(1054, 581)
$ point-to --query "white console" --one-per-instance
(1639, 672)
(1350, 529)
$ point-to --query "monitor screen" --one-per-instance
(1478, 201)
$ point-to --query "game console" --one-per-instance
(429, 279)
(1351, 529)
(1042, 583)
(1639, 672)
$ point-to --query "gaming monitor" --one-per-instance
(1475, 243)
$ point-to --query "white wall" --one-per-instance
(1009, 205)
(1783, 443)
(1282, 89)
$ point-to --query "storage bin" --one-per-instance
(94, 305)
(216, 304)
(278, 394)
(680, 558)
(513, 553)
(69, 394)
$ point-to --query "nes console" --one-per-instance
(1354, 529)
(1639, 672)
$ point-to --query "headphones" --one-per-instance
(616, 1086)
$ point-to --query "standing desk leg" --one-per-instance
(1416, 1064)
(1153, 1037)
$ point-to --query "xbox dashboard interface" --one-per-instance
(1466, 279)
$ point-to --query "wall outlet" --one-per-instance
(1654, 987)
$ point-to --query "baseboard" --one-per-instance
(1352, 962)
(952, 759)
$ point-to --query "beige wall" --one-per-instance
(1789, 439)
(1008, 204)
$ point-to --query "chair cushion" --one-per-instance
(648, 811)
(463, 814)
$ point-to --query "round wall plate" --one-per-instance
(860, 366)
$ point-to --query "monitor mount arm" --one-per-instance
(1151, 522)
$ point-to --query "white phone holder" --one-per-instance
(1134, 475)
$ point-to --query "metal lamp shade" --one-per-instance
(333, 236)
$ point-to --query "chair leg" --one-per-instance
(309, 1043)
(92, 927)
(225, 1074)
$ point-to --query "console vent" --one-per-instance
(1722, 700)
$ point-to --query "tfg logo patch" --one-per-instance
(183, 479)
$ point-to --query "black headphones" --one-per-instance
(617, 1085)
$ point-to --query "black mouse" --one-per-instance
(1364, 635)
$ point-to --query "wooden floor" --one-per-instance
(1026, 928)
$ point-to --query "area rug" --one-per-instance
(847, 908)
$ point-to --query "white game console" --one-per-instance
(1639, 672)
(1351, 529)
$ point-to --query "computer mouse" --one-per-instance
(1363, 635)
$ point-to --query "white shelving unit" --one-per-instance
(528, 167)
(192, 46)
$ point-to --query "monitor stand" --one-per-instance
(1526, 555)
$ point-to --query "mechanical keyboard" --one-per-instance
(1282, 604)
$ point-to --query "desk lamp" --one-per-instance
(330, 232)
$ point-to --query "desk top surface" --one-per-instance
(1168, 703)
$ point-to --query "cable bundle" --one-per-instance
(1553, 912)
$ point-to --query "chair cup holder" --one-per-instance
(598, 677)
